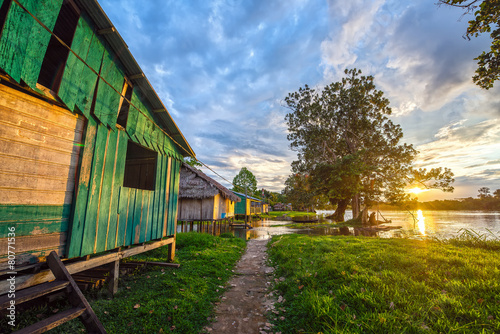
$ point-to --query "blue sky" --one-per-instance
(223, 69)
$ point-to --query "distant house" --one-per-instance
(282, 207)
(89, 156)
(201, 198)
(252, 205)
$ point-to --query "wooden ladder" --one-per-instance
(81, 308)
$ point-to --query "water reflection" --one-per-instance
(421, 222)
(441, 224)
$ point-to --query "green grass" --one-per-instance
(292, 214)
(163, 300)
(371, 285)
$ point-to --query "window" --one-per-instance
(140, 167)
(56, 55)
(124, 104)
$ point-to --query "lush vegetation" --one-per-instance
(349, 150)
(486, 18)
(161, 300)
(291, 214)
(370, 285)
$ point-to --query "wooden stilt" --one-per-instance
(113, 277)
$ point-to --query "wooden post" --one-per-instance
(171, 251)
(113, 277)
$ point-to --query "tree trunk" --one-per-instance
(356, 206)
(338, 215)
(364, 216)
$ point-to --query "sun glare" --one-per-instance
(416, 190)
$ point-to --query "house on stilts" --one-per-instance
(90, 158)
(248, 206)
(201, 198)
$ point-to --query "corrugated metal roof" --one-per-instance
(132, 69)
(250, 197)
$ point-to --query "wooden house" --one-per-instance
(250, 206)
(89, 156)
(201, 198)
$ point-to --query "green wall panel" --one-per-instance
(108, 100)
(14, 41)
(47, 12)
(82, 194)
(34, 219)
(71, 84)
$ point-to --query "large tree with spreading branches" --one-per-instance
(486, 20)
(350, 148)
(245, 180)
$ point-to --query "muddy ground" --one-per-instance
(244, 306)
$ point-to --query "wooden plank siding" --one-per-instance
(39, 154)
(62, 156)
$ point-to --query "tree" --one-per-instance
(484, 192)
(245, 178)
(496, 193)
(486, 18)
(350, 148)
(297, 191)
(192, 162)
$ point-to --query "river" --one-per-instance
(423, 224)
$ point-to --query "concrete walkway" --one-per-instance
(244, 306)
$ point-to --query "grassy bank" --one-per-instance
(163, 300)
(292, 214)
(371, 285)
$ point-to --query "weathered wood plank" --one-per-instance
(29, 197)
(17, 25)
(166, 209)
(139, 203)
(37, 109)
(78, 225)
(53, 321)
(33, 292)
(34, 242)
(35, 226)
(25, 281)
(156, 197)
(34, 168)
(117, 203)
(46, 12)
(106, 194)
(70, 83)
(129, 235)
(20, 213)
(44, 183)
(122, 216)
(95, 188)
(113, 223)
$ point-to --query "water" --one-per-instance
(440, 224)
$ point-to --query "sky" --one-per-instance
(223, 69)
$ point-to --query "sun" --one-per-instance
(416, 190)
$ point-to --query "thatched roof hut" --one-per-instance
(195, 184)
(201, 198)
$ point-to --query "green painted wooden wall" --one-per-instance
(102, 214)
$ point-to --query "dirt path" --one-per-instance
(245, 304)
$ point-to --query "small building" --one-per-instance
(89, 156)
(201, 198)
(253, 205)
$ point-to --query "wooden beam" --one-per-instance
(159, 264)
(159, 110)
(43, 276)
(106, 31)
(136, 76)
(91, 322)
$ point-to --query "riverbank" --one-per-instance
(372, 285)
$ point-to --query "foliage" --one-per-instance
(472, 238)
(163, 300)
(192, 162)
(484, 192)
(272, 197)
(486, 18)
(298, 192)
(350, 148)
(245, 178)
(327, 284)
